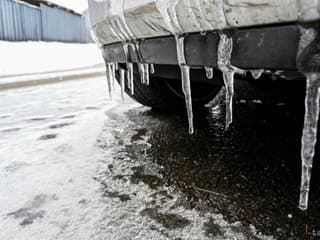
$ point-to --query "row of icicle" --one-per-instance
(225, 47)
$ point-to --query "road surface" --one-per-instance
(75, 165)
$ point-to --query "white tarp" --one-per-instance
(119, 20)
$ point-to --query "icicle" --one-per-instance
(142, 72)
(130, 77)
(151, 68)
(113, 72)
(256, 74)
(185, 78)
(186, 87)
(146, 71)
(122, 77)
(309, 135)
(224, 63)
(116, 65)
(109, 79)
(209, 72)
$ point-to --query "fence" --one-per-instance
(20, 21)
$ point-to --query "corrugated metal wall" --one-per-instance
(20, 21)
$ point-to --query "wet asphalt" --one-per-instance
(75, 165)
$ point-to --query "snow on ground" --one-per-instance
(18, 58)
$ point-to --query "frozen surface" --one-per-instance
(66, 171)
(39, 57)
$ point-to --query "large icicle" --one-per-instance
(142, 73)
(130, 77)
(146, 73)
(109, 79)
(209, 72)
(309, 135)
(113, 72)
(224, 63)
(185, 78)
(122, 85)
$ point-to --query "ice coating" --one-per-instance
(151, 68)
(122, 78)
(209, 72)
(224, 63)
(256, 74)
(185, 78)
(146, 74)
(309, 135)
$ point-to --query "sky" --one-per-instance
(76, 5)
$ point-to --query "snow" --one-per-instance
(20, 58)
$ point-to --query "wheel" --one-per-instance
(165, 94)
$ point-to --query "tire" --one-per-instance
(166, 94)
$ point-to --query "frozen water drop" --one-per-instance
(151, 68)
(309, 135)
(256, 74)
(122, 78)
(203, 33)
(185, 78)
(209, 72)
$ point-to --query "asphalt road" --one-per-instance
(74, 165)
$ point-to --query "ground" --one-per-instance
(75, 165)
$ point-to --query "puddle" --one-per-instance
(60, 125)
(15, 166)
(167, 220)
(48, 136)
(139, 175)
(29, 212)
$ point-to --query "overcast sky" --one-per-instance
(76, 5)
